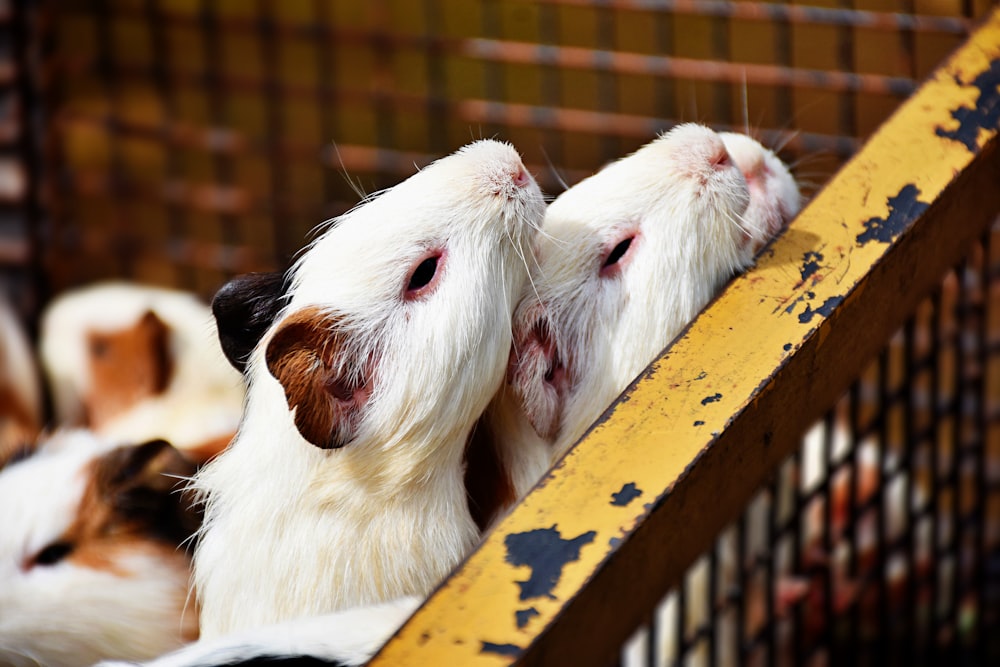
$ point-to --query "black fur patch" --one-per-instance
(244, 309)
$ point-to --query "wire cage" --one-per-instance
(181, 142)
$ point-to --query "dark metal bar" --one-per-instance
(286, 242)
(162, 81)
(747, 11)
(326, 61)
(772, 11)
(210, 34)
(120, 216)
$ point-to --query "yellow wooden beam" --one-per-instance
(571, 572)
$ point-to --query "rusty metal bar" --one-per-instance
(774, 12)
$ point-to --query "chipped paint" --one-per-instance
(806, 316)
(714, 398)
(546, 553)
(810, 264)
(628, 493)
(904, 208)
(525, 615)
(786, 347)
(984, 116)
(698, 422)
(509, 650)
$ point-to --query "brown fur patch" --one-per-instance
(488, 485)
(132, 499)
(304, 356)
(126, 367)
(203, 452)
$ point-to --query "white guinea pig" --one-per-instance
(134, 363)
(626, 259)
(91, 558)
(344, 485)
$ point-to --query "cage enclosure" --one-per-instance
(181, 142)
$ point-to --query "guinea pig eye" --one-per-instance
(422, 278)
(616, 254)
(53, 553)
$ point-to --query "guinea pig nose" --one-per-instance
(521, 178)
(720, 158)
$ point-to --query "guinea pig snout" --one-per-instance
(538, 373)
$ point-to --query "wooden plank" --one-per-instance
(567, 576)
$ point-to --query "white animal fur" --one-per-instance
(348, 637)
(68, 614)
(204, 398)
(18, 375)
(682, 200)
(292, 530)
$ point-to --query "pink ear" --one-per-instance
(305, 357)
(537, 373)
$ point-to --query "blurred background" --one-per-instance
(180, 142)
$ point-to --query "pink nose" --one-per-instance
(521, 178)
(720, 158)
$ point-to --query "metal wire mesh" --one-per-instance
(879, 541)
(191, 140)
(196, 139)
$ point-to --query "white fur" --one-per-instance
(17, 366)
(686, 214)
(292, 530)
(348, 637)
(204, 398)
(66, 614)
(774, 195)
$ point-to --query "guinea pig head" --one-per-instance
(95, 567)
(398, 319)
(127, 365)
(627, 258)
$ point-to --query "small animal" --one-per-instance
(344, 486)
(135, 363)
(20, 388)
(92, 551)
(627, 258)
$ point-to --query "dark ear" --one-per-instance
(305, 356)
(244, 309)
(157, 333)
(143, 485)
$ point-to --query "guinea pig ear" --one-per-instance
(244, 310)
(537, 373)
(139, 484)
(156, 333)
(306, 356)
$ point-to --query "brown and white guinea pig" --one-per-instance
(92, 558)
(626, 259)
(20, 389)
(137, 363)
(344, 485)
